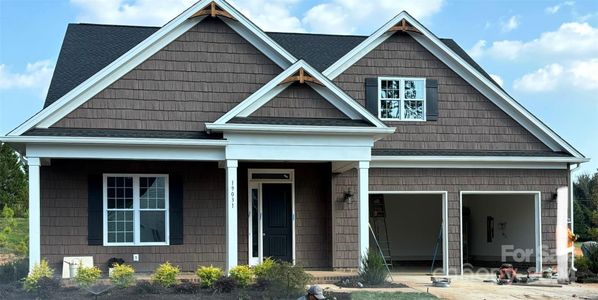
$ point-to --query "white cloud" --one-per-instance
(511, 24)
(271, 15)
(36, 76)
(551, 10)
(579, 74)
(541, 80)
(478, 49)
(351, 16)
(133, 12)
(571, 39)
(497, 79)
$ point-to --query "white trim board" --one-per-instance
(474, 162)
(335, 96)
(144, 50)
(537, 219)
(445, 219)
(429, 41)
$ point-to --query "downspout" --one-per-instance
(571, 210)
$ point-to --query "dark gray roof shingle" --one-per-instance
(88, 48)
(122, 133)
(300, 121)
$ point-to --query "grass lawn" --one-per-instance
(391, 295)
(19, 232)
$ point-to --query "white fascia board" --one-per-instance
(141, 52)
(147, 142)
(299, 129)
(125, 152)
(475, 162)
(461, 67)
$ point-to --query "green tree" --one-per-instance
(585, 206)
(13, 181)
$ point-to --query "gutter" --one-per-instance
(571, 210)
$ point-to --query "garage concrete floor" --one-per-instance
(472, 287)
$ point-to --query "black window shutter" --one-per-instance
(176, 209)
(95, 207)
(371, 95)
(431, 99)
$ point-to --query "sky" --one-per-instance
(544, 53)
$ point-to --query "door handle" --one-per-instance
(263, 234)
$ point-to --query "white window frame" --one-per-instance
(401, 99)
(136, 210)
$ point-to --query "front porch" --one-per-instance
(216, 201)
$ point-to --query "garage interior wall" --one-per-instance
(513, 225)
(413, 225)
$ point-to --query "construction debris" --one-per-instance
(506, 274)
(441, 281)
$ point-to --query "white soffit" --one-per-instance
(428, 40)
(144, 50)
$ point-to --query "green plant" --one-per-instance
(225, 284)
(39, 272)
(122, 275)
(165, 275)
(209, 275)
(591, 253)
(11, 236)
(87, 276)
(262, 269)
(242, 274)
(373, 268)
(187, 287)
(14, 271)
(284, 280)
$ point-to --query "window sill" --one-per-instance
(135, 245)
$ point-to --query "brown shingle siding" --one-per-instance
(195, 79)
(467, 120)
(299, 101)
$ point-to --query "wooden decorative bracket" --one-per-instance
(301, 77)
(404, 26)
(213, 11)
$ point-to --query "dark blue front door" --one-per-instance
(277, 210)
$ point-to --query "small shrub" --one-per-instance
(225, 284)
(14, 271)
(262, 269)
(40, 271)
(47, 287)
(187, 288)
(242, 274)
(87, 276)
(591, 252)
(122, 275)
(373, 270)
(165, 275)
(582, 264)
(284, 280)
(209, 275)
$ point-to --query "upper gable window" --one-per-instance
(402, 99)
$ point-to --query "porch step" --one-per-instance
(329, 277)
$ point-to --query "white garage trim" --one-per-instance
(537, 219)
(445, 252)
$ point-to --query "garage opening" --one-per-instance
(500, 228)
(410, 231)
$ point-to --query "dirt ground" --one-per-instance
(473, 287)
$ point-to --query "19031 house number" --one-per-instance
(232, 193)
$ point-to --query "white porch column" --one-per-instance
(231, 214)
(34, 212)
(364, 214)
